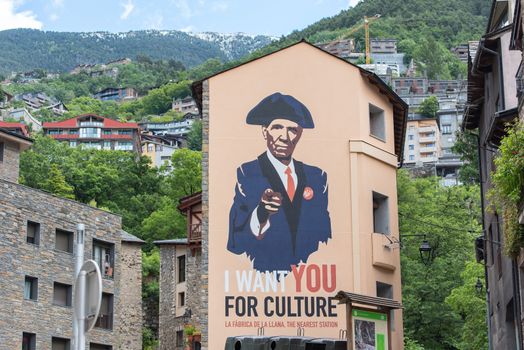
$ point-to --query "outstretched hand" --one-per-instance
(270, 203)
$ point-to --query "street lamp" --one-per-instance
(426, 252)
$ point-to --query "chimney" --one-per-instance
(11, 145)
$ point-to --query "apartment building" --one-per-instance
(184, 105)
(181, 284)
(94, 131)
(493, 101)
(116, 94)
(178, 128)
(37, 264)
(422, 141)
(159, 149)
(379, 45)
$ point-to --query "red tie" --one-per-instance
(290, 184)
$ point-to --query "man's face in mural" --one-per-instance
(282, 136)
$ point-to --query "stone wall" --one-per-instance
(129, 331)
(18, 259)
(166, 326)
(9, 167)
(203, 305)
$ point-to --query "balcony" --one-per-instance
(430, 149)
(195, 233)
(426, 129)
(427, 139)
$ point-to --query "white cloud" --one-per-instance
(54, 17)
(128, 8)
(352, 3)
(219, 6)
(184, 8)
(10, 18)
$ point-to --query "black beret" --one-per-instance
(278, 106)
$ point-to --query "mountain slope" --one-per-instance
(27, 49)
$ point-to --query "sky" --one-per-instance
(269, 17)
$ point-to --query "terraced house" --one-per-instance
(94, 131)
(37, 235)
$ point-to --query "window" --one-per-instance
(377, 123)
(60, 344)
(410, 137)
(108, 132)
(107, 144)
(28, 341)
(90, 133)
(446, 129)
(33, 233)
(72, 143)
(64, 240)
(2, 146)
(62, 294)
(411, 147)
(93, 346)
(179, 342)
(150, 148)
(103, 254)
(411, 157)
(31, 288)
(384, 290)
(380, 213)
(181, 268)
(73, 132)
(124, 132)
(105, 316)
(181, 299)
(124, 146)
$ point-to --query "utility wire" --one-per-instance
(449, 228)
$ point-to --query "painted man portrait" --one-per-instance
(280, 210)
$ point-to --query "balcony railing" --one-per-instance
(104, 321)
(195, 233)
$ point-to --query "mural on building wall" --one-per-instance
(280, 210)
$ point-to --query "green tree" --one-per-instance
(194, 137)
(466, 145)
(449, 217)
(429, 107)
(471, 306)
(431, 57)
(57, 184)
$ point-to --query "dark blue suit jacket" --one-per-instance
(295, 230)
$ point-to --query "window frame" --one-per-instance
(69, 294)
(108, 267)
(381, 199)
(181, 270)
(110, 312)
(32, 340)
(70, 238)
(32, 293)
(377, 122)
(36, 237)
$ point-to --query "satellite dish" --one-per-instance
(88, 294)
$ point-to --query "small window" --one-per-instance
(72, 144)
(64, 240)
(179, 339)
(377, 123)
(2, 151)
(104, 255)
(446, 129)
(411, 147)
(60, 344)
(380, 213)
(28, 341)
(410, 137)
(93, 346)
(62, 294)
(105, 316)
(181, 299)
(384, 290)
(33, 232)
(411, 157)
(181, 268)
(31, 288)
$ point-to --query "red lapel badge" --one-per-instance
(308, 193)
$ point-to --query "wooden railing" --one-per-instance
(195, 233)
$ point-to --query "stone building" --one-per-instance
(182, 301)
(493, 102)
(37, 235)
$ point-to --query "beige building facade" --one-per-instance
(422, 141)
(352, 130)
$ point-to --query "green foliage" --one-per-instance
(471, 306)
(149, 341)
(450, 217)
(189, 330)
(194, 137)
(429, 107)
(466, 145)
(56, 183)
(507, 192)
(410, 344)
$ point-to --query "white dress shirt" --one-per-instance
(281, 171)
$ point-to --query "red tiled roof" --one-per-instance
(73, 123)
(9, 125)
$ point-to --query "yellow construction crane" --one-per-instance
(367, 21)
